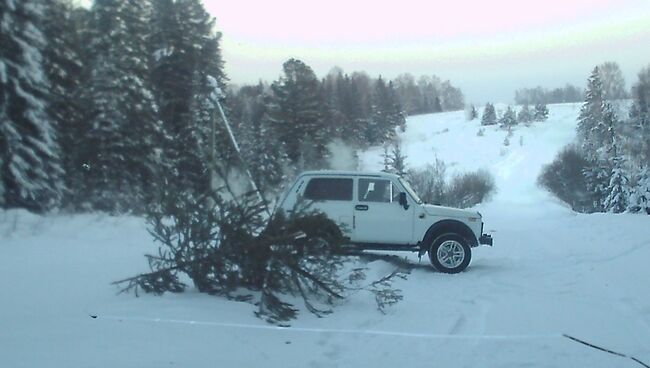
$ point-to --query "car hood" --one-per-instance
(433, 210)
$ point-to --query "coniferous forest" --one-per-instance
(111, 107)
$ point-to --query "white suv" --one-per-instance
(380, 211)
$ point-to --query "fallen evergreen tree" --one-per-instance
(225, 247)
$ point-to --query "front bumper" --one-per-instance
(485, 239)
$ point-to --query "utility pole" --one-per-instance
(216, 96)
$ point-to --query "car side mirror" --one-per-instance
(402, 201)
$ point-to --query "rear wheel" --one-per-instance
(450, 253)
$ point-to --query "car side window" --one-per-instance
(329, 189)
(376, 190)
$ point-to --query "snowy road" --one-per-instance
(551, 272)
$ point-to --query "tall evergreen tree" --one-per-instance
(473, 114)
(640, 196)
(591, 129)
(489, 115)
(618, 188)
(541, 112)
(124, 131)
(296, 113)
(186, 57)
(386, 113)
(524, 115)
(30, 168)
(260, 146)
(640, 114)
(597, 177)
(64, 67)
(508, 119)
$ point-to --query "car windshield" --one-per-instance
(410, 191)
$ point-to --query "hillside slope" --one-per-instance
(551, 272)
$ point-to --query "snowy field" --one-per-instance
(551, 272)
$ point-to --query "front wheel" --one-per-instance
(450, 253)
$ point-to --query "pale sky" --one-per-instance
(488, 48)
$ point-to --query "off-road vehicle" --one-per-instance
(380, 211)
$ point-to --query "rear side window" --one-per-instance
(329, 189)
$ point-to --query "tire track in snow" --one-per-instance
(325, 330)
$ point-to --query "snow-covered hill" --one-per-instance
(551, 272)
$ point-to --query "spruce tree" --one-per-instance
(185, 58)
(541, 112)
(64, 66)
(524, 115)
(397, 159)
(508, 119)
(260, 147)
(30, 166)
(591, 129)
(489, 115)
(617, 189)
(296, 113)
(378, 129)
(640, 114)
(351, 106)
(597, 177)
(640, 194)
(124, 131)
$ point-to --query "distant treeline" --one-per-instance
(613, 88)
(539, 95)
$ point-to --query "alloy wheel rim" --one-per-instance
(451, 254)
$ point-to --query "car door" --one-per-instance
(333, 197)
(378, 216)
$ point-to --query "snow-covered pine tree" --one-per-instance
(474, 113)
(640, 195)
(260, 147)
(65, 70)
(386, 113)
(618, 190)
(508, 119)
(597, 176)
(437, 106)
(397, 159)
(606, 165)
(489, 115)
(124, 131)
(296, 114)
(332, 90)
(524, 115)
(351, 106)
(640, 114)
(541, 112)
(395, 110)
(185, 57)
(31, 171)
(590, 121)
(471, 113)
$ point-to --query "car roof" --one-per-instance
(348, 173)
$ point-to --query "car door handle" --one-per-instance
(361, 207)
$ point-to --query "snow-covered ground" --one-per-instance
(551, 272)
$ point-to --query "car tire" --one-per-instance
(450, 253)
